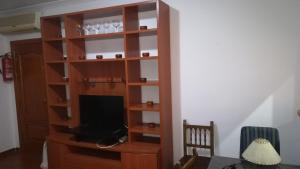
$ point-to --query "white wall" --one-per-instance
(235, 62)
(8, 129)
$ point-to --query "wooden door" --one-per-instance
(30, 93)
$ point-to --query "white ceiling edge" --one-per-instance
(65, 6)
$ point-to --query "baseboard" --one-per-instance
(4, 153)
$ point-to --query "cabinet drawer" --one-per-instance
(139, 161)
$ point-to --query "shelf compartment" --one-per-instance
(100, 36)
(140, 15)
(55, 72)
(140, 138)
(145, 129)
(142, 69)
(53, 51)
(144, 107)
(57, 93)
(147, 32)
(55, 27)
(59, 116)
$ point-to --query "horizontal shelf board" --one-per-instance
(145, 129)
(54, 39)
(97, 60)
(62, 124)
(58, 104)
(55, 61)
(144, 107)
(140, 147)
(100, 36)
(57, 83)
(142, 58)
(148, 83)
(147, 32)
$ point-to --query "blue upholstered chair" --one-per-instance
(250, 133)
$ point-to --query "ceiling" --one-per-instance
(13, 4)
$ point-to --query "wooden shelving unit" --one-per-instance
(68, 76)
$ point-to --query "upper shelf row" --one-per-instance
(102, 23)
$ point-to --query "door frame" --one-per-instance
(18, 84)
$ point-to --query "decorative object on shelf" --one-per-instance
(116, 24)
(99, 56)
(143, 79)
(118, 56)
(100, 27)
(151, 125)
(143, 27)
(82, 57)
(66, 79)
(261, 152)
(79, 29)
(150, 103)
(145, 54)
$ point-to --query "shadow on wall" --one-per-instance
(176, 83)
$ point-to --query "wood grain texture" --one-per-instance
(30, 93)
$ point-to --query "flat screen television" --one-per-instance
(100, 116)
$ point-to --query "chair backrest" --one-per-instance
(250, 133)
(196, 136)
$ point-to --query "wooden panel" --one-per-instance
(131, 18)
(132, 45)
(164, 66)
(139, 161)
(55, 154)
(82, 161)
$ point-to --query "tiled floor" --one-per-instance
(20, 160)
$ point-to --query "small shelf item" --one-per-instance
(151, 125)
(146, 54)
(99, 56)
(143, 27)
(118, 56)
(82, 57)
(66, 79)
(150, 103)
(143, 79)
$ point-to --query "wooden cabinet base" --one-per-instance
(63, 156)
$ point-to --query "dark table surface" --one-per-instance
(218, 162)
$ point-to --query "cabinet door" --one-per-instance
(139, 161)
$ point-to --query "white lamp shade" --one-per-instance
(261, 152)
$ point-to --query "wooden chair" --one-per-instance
(198, 137)
(250, 133)
(189, 163)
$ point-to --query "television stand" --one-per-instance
(131, 60)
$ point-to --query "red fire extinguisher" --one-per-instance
(7, 67)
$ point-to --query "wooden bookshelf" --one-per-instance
(68, 75)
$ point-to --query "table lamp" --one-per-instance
(261, 152)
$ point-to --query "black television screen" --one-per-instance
(101, 113)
